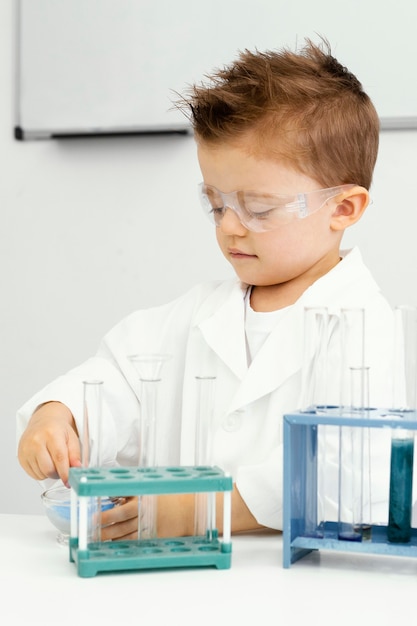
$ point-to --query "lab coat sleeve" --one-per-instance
(139, 332)
(118, 398)
(162, 329)
(260, 486)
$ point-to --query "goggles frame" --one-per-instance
(270, 217)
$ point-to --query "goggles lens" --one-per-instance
(260, 212)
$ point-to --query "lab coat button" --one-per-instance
(232, 422)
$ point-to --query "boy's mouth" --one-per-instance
(235, 253)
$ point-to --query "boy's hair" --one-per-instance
(303, 108)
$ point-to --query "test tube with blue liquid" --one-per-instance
(354, 510)
(402, 439)
(314, 400)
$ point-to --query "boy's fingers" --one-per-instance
(121, 521)
(121, 512)
(74, 451)
(60, 464)
(63, 452)
(120, 530)
(35, 471)
(49, 445)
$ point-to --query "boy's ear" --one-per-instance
(349, 208)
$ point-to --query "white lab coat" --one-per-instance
(204, 333)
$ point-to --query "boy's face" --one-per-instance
(301, 250)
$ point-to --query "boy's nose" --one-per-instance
(230, 223)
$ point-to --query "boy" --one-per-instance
(287, 144)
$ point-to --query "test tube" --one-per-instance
(354, 514)
(401, 486)
(205, 503)
(405, 360)
(148, 367)
(402, 439)
(352, 384)
(314, 399)
(314, 366)
(91, 449)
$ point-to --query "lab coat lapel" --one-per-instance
(224, 332)
(278, 359)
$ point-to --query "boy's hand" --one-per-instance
(121, 522)
(50, 446)
(175, 517)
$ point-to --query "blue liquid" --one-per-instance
(354, 532)
(60, 514)
(400, 492)
(63, 510)
(349, 532)
(350, 536)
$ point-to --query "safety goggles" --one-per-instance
(261, 212)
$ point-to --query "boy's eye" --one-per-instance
(262, 215)
(263, 208)
(217, 210)
(258, 211)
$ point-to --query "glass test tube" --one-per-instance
(314, 367)
(205, 503)
(352, 382)
(402, 440)
(91, 453)
(314, 399)
(148, 367)
(354, 515)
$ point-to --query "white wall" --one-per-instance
(92, 229)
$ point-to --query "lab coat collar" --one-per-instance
(280, 357)
(348, 284)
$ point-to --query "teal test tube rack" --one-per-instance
(91, 558)
(300, 469)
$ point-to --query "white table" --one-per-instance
(38, 585)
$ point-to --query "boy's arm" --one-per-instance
(175, 517)
(49, 446)
(176, 514)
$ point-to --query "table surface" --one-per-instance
(39, 585)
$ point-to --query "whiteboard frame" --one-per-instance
(23, 132)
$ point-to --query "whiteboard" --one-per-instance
(88, 67)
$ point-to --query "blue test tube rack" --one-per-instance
(300, 436)
(91, 558)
